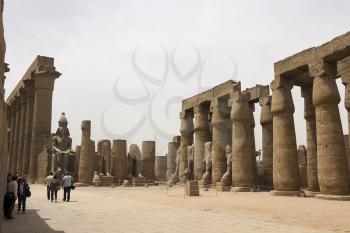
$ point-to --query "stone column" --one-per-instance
(148, 156)
(252, 126)
(267, 135)
(186, 130)
(242, 164)
(171, 158)
(220, 117)
(345, 77)
(12, 135)
(16, 136)
(28, 125)
(119, 153)
(302, 166)
(77, 161)
(202, 135)
(21, 132)
(333, 172)
(285, 156)
(86, 166)
(311, 142)
(41, 131)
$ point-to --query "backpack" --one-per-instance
(54, 184)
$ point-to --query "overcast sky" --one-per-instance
(126, 64)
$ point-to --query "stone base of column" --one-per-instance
(139, 181)
(82, 184)
(242, 189)
(107, 181)
(333, 197)
(285, 193)
(311, 193)
(220, 187)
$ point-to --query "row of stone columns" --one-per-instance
(30, 118)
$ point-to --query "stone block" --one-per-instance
(107, 181)
(139, 181)
(192, 188)
(220, 187)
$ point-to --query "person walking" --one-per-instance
(48, 184)
(67, 184)
(54, 187)
(10, 197)
(22, 193)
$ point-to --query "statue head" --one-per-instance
(62, 130)
(228, 149)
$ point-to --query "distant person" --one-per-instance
(10, 197)
(22, 193)
(67, 184)
(48, 184)
(54, 187)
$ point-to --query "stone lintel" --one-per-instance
(257, 92)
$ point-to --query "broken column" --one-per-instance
(267, 135)
(311, 141)
(202, 135)
(186, 130)
(148, 155)
(333, 172)
(242, 164)
(119, 165)
(220, 117)
(41, 131)
(285, 157)
(86, 162)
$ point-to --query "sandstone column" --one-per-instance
(252, 126)
(311, 142)
(186, 130)
(333, 172)
(86, 166)
(29, 125)
(302, 166)
(242, 164)
(171, 159)
(285, 157)
(41, 131)
(12, 135)
(220, 117)
(17, 104)
(119, 153)
(345, 77)
(202, 135)
(148, 157)
(77, 161)
(21, 132)
(267, 135)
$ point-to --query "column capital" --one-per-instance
(29, 87)
(282, 100)
(240, 108)
(186, 126)
(45, 79)
(265, 115)
(322, 68)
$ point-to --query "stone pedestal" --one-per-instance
(202, 135)
(285, 158)
(139, 181)
(192, 188)
(333, 172)
(220, 187)
(107, 181)
(220, 119)
(285, 193)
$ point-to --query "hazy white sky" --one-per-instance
(180, 42)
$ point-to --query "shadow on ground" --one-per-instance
(31, 222)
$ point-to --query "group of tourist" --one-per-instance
(53, 185)
(16, 189)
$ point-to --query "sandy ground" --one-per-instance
(158, 209)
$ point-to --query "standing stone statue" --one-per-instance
(104, 151)
(226, 179)
(206, 179)
(61, 146)
(190, 163)
(134, 161)
(174, 178)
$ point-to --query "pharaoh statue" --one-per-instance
(134, 161)
(206, 179)
(226, 179)
(174, 178)
(190, 163)
(61, 146)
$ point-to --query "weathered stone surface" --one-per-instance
(21, 132)
(104, 154)
(87, 158)
(192, 188)
(171, 157)
(160, 168)
(242, 166)
(347, 149)
(206, 179)
(77, 161)
(134, 162)
(148, 159)
(226, 179)
(285, 159)
(267, 140)
(220, 119)
(252, 126)
(333, 172)
(14, 154)
(311, 151)
(202, 135)
(186, 130)
(302, 166)
(188, 174)
(119, 165)
(43, 164)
